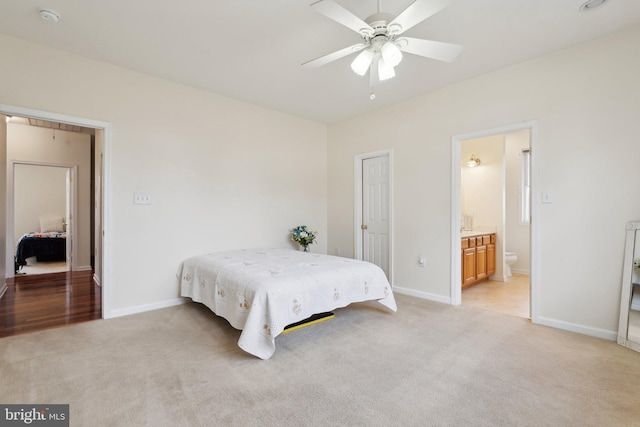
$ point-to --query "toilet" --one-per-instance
(509, 259)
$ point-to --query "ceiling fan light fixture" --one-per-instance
(381, 50)
(391, 53)
(361, 64)
(385, 71)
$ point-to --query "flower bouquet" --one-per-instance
(303, 236)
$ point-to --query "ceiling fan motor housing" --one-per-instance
(379, 22)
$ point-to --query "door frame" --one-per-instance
(11, 200)
(357, 204)
(106, 184)
(456, 211)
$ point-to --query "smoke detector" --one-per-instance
(50, 15)
(592, 5)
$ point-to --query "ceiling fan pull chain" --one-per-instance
(372, 83)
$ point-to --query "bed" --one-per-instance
(262, 291)
(48, 246)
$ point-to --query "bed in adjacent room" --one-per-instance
(48, 246)
(263, 291)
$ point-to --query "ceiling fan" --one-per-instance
(382, 45)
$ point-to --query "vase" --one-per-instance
(305, 248)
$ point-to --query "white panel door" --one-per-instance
(375, 211)
(69, 217)
(6, 259)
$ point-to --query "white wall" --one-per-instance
(42, 145)
(516, 233)
(38, 191)
(585, 100)
(223, 174)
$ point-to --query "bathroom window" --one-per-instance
(525, 203)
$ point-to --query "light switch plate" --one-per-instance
(547, 197)
(142, 198)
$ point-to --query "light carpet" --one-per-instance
(427, 364)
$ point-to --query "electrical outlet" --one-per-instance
(142, 198)
(421, 261)
(338, 251)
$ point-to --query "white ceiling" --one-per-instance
(252, 50)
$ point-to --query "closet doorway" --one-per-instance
(373, 209)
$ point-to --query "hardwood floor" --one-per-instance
(510, 297)
(36, 302)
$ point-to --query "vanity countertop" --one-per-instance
(474, 233)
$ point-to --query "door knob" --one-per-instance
(364, 226)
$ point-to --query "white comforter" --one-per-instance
(262, 291)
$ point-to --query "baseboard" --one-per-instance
(3, 289)
(519, 271)
(84, 268)
(580, 329)
(422, 295)
(146, 307)
(96, 280)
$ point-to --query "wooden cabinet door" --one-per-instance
(491, 259)
(481, 262)
(468, 266)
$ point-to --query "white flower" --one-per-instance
(303, 234)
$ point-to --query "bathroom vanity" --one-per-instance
(478, 251)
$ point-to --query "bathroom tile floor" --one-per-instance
(510, 297)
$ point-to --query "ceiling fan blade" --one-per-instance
(441, 51)
(333, 10)
(417, 12)
(318, 62)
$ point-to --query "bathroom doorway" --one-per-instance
(493, 179)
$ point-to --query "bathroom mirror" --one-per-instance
(629, 328)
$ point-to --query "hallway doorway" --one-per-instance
(93, 272)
